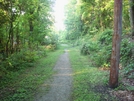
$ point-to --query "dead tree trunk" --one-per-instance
(115, 57)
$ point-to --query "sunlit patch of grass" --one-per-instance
(26, 83)
(89, 83)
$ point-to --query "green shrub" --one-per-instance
(99, 48)
(128, 68)
(126, 52)
(51, 47)
(84, 49)
(88, 48)
(22, 59)
(102, 56)
(106, 37)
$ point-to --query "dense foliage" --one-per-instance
(91, 27)
(24, 26)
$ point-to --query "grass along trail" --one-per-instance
(24, 84)
(89, 82)
(71, 78)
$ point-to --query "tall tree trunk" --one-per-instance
(17, 38)
(115, 57)
(11, 29)
(7, 43)
(132, 16)
(30, 32)
(30, 29)
(12, 36)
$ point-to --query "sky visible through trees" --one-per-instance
(59, 14)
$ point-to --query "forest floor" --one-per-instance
(91, 83)
(60, 84)
(72, 78)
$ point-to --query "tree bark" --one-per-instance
(132, 16)
(115, 57)
(30, 29)
(17, 38)
(11, 29)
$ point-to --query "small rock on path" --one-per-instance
(60, 87)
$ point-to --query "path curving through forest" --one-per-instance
(61, 85)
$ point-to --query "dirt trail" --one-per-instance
(60, 87)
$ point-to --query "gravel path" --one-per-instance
(60, 87)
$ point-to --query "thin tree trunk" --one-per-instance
(7, 43)
(12, 36)
(30, 30)
(115, 57)
(17, 38)
(11, 29)
(132, 16)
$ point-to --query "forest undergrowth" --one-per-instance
(91, 83)
(22, 84)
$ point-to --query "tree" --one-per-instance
(132, 16)
(72, 23)
(115, 57)
(23, 22)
